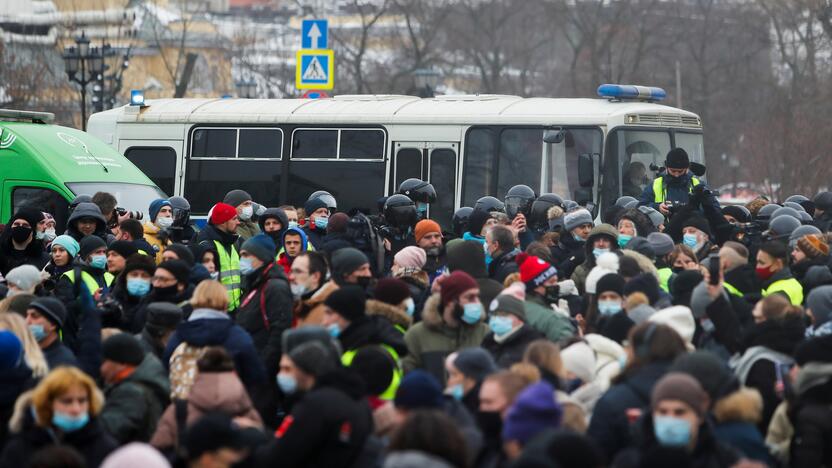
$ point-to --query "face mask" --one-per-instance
(164, 223)
(670, 431)
(334, 330)
(245, 213)
(37, 331)
(49, 235)
(598, 252)
(623, 239)
(321, 222)
(552, 294)
(364, 281)
(609, 307)
(578, 238)
(246, 266)
(20, 234)
(298, 290)
(293, 224)
(68, 423)
(138, 287)
(471, 313)
(456, 392)
(764, 273)
(677, 269)
(689, 240)
(166, 292)
(98, 261)
(215, 275)
(422, 208)
(288, 385)
(500, 325)
(410, 306)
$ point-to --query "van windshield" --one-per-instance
(134, 197)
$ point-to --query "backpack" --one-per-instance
(183, 369)
(365, 237)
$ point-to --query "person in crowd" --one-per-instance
(651, 348)
(809, 250)
(216, 389)
(216, 441)
(392, 300)
(774, 273)
(274, 222)
(62, 252)
(117, 254)
(479, 222)
(428, 235)
(87, 220)
(427, 438)
(168, 284)
(62, 410)
(675, 185)
(156, 228)
(336, 234)
(24, 279)
(330, 423)
(602, 239)
(45, 318)
(467, 369)
(318, 215)
(696, 235)
(307, 276)
(683, 258)
(17, 375)
(294, 242)
(633, 223)
(45, 231)
(219, 236)
(107, 203)
(739, 276)
(579, 364)
(570, 250)
(819, 310)
(210, 325)
(509, 335)
(605, 314)
(409, 266)
(662, 246)
(32, 354)
(291, 215)
(266, 310)
(468, 256)
(497, 394)
(823, 211)
(132, 230)
(349, 266)
(18, 243)
(161, 321)
(130, 288)
(533, 412)
(542, 293)
(451, 320)
(242, 202)
(181, 252)
(677, 428)
(499, 242)
(136, 389)
(810, 409)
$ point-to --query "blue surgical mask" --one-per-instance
(456, 392)
(609, 307)
(578, 238)
(98, 261)
(690, 240)
(422, 208)
(37, 331)
(293, 224)
(410, 306)
(246, 266)
(334, 330)
(472, 313)
(623, 239)
(622, 361)
(138, 287)
(67, 423)
(598, 252)
(670, 431)
(287, 383)
(321, 222)
(500, 325)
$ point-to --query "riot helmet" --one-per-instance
(490, 204)
(460, 220)
(519, 199)
(400, 211)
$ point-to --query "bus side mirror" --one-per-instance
(583, 196)
(554, 136)
(586, 170)
(698, 169)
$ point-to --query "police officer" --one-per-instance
(675, 185)
(422, 193)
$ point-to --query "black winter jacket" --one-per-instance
(511, 350)
(133, 406)
(372, 330)
(91, 441)
(503, 265)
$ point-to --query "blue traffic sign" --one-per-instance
(314, 34)
(314, 69)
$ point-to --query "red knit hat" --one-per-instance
(453, 285)
(221, 212)
(533, 270)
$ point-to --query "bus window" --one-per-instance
(408, 165)
(443, 178)
(158, 163)
(637, 149)
(361, 144)
(315, 144)
(478, 166)
(353, 184)
(562, 170)
(260, 143)
(41, 199)
(208, 180)
(521, 153)
(693, 144)
(214, 143)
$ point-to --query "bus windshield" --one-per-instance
(133, 197)
(638, 149)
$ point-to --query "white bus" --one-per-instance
(359, 148)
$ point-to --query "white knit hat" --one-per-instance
(605, 263)
(680, 319)
(579, 359)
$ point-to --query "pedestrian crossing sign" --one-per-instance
(315, 69)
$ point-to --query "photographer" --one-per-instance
(675, 185)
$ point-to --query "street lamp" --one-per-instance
(426, 80)
(83, 65)
(246, 89)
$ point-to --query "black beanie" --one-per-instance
(178, 269)
(345, 261)
(645, 283)
(677, 158)
(140, 262)
(611, 282)
(698, 222)
(89, 244)
(348, 302)
(313, 205)
(477, 220)
(375, 366)
(814, 350)
(123, 248)
(183, 252)
(122, 348)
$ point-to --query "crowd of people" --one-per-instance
(532, 332)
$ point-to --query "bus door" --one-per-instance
(435, 162)
(160, 160)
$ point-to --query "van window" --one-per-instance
(362, 144)
(315, 144)
(478, 170)
(130, 196)
(443, 178)
(214, 143)
(158, 163)
(208, 180)
(359, 183)
(42, 199)
(521, 157)
(262, 143)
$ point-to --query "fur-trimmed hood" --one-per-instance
(394, 314)
(744, 405)
(644, 263)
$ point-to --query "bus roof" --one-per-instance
(393, 109)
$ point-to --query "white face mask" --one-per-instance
(164, 223)
(49, 235)
(245, 213)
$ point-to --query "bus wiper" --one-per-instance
(84, 146)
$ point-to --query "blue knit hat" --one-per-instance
(68, 243)
(11, 350)
(156, 207)
(534, 411)
(261, 246)
(418, 389)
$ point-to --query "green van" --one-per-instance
(45, 166)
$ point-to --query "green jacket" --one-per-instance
(133, 406)
(246, 230)
(430, 341)
(544, 319)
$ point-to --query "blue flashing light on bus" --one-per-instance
(137, 97)
(616, 91)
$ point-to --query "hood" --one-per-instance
(431, 315)
(87, 210)
(152, 375)
(345, 380)
(744, 405)
(596, 232)
(205, 331)
(643, 224)
(394, 314)
(467, 256)
(276, 213)
(150, 228)
(644, 263)
(219, 391)
(304, 241)
(779, 335)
